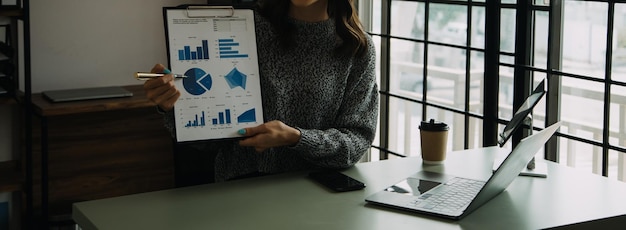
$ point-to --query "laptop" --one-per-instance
(454, 197)
(86, 93)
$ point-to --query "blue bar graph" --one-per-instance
(228, 49)
(222, 118)
(199, 53)
(197, 122)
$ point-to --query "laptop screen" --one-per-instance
(412, 186)
(520, 115)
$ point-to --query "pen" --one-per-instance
(146, 76)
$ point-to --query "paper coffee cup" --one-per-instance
(434, 138)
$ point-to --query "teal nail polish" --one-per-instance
(242, 131)
(166, 71)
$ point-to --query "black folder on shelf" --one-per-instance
(67, 95)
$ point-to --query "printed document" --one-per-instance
(218, 54)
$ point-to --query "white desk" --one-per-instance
(291, 201)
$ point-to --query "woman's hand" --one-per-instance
(161, 90)
(268, 135)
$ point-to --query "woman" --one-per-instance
(318, 88)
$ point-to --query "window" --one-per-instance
(470, 63)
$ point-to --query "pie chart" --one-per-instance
(197, 82)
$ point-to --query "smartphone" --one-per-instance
(336, 181)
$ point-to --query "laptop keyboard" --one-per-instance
(454, 195)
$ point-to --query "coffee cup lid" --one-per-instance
(433, 125)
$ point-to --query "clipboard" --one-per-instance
(215, 46)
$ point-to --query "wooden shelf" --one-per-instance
(44, 107)
(7, 100)
(133, 153)
(11, 179)
(11, 11)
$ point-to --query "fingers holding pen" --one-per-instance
(162, 91)
(167, 99)
(158, 68)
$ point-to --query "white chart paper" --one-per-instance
(222, 92)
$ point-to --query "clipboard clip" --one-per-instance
(210, 11)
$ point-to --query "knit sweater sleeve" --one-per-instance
(345, 143)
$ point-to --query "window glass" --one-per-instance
(505, 95)
(478, 27)
(580, 155)
(542, 2)
(541, 39)
(375, 154)
(617, 161)
(617, 115)
(446, 76)
(447, 24)
(619, 46)
(584, 38)
(376, 17)
(477, 78)
(406, 68)
(582, 103)
(507, 30)
(407, 19)
(475, 133)
(404, 121)
(508, 59)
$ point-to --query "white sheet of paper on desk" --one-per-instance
(222, 92)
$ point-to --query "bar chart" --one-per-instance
(224, 117)
(198, 53)
(199, 121)
(229, 48)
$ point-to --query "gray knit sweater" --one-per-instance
(332, 101)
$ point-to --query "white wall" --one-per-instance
(89, 43)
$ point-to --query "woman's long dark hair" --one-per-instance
(347, 24)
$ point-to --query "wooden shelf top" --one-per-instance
(44, 107)
(7, 100)
(11, 11)
(10, 178)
